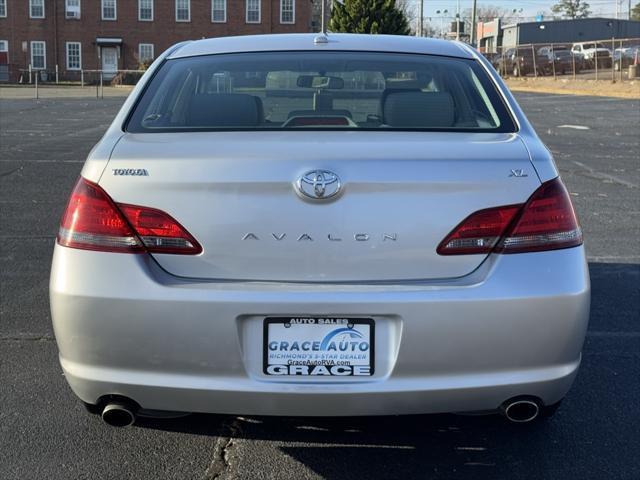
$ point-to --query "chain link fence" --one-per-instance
(91, 82)
(616, 60)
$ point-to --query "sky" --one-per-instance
(530, 8)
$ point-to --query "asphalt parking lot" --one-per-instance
(46, 433)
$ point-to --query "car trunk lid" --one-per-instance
(401, 194)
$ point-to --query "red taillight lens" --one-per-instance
(480, 232)
(92, 221)
(159, 232)
(546, 222)
(317, 121)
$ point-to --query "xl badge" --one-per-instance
(518, 172)
(318, 184)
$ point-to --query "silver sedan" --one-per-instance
(320, 225)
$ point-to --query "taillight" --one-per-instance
(159, 232)
(546, 221)
(92, 221)
(480, 232)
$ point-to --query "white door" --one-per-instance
(109, 62)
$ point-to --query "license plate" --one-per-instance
(319, 346)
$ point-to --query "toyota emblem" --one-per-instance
(318, 184)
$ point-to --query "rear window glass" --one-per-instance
(307, 90)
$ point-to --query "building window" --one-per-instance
(74, 56)
(145, 53)
(4, 46)
(253, 11)
(218, 11)
(145, 10)
(36, 8)
(287, 11)
(183, 10)
(109, 10)
(38, 55)
(3, 8)
(72, 9)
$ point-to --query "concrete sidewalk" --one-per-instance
(566, 86)
(62, 91)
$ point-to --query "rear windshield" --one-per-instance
(324, 90)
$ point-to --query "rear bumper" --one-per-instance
(514, 327)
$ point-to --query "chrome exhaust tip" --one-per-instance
(119, 414)
(521, 410)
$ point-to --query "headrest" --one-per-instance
(224, 110)
(418, 109)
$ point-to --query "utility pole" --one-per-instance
(442, 13)
(474, 12)
(458, 21)
(421, 23)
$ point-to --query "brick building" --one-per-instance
(112, 35)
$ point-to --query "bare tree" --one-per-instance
(411, 10)
(487, 13)
(491, 12)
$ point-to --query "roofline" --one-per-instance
(306, 42)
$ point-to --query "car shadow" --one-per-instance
(413, 446)
(581, 441)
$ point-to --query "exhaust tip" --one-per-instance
(119, 414)
(521, 411)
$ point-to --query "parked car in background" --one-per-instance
(592, 51)
(494, 59)
(625, 56)
(561, 59)
(520, 62)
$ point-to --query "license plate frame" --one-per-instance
(338, 328)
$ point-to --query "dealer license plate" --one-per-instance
(319, 346)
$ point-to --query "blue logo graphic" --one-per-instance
(340, 331)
